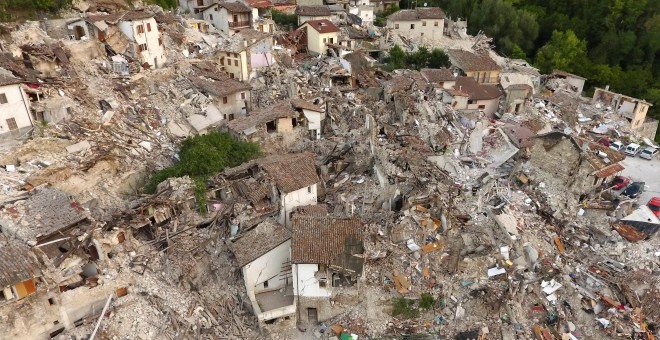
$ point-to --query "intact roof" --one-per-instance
(17, 264)
(475, 90)
(292, 171)
(322, 25)
(235, 7)
(417, 14)
(262, 116)
(313, 11)
(4, 80)
(318, 210)
(120, 16)
(46, 211)
(320, 240)
(468, 61)
(258, 241)
(302, 104)
(220, 88)
(436, 75)
(260, 3)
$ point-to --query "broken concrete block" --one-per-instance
(82, 146)
(146, 145)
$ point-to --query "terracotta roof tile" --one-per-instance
(436, 75)
(320, 240)
(302, 104)
(430, 13)
(319, 210)
(291, 172)
(235, 7)
(17, 264)
(4, 80)
(258, 241)
(220, 88)
(475, 90)
(322, 26)
(262, 116)
(468, 61)
(403, 15)
(313, 11)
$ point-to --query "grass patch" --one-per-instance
(404, 308)
(427, 301)
(203, 156)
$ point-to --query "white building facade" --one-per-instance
(14, 107)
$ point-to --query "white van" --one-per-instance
(648, 153)
(632, 149)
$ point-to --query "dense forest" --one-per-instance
(610, 42)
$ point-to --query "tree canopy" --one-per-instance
(399, 59)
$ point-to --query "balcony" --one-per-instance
(236, 24)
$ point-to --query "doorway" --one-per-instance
(312, 316)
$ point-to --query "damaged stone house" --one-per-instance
(633, 110)
(246, 53)
(264, 255)
(468, 95)
(327, 262)
(518, 90)
(575, 81)
(314, 116)
(19, 272)
(439, 79)
(481, 67)
(229, 99)
(15, 117)
(228, 16)
(321, 34)
(307, 13)
(134, 34)
(425, 22)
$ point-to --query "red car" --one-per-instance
(606, 141)
(654, 205)
(620, 182)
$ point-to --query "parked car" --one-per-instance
(606, 141)
(654, 205)
(632, 149)
(620, 182)
(648, 153)
(634, 190)
(616, 145)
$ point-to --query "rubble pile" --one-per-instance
(479, 201)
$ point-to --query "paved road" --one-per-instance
(640, 169)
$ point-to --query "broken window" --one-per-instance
(242, 95)
(412, 26)
(142, 47)
(140, 29)
(11, 124)
(148, 27)
(294, 122)
(331, 40)
(482, 107)
(265, 284)
(231, 75)
(271, 126)
(323, 283)
(224, 100)
(3, 98)
(231, 116)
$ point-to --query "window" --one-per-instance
(324, 40)
(148, 27)
(235, 55)
(3, 98)
(435, 24)
(412, 26)
(396, 26)
(482, 107)
(309, 189)
(422, 34)
(224, 100)
(261, 28)
(231, 75)
(11, 124)
(265, 284)
(472, 101)
(332, 40)
(323, 283)
(236, 62)
(211, 17)
(222, 61)
(200, 2)
(242, 95)
(160, 41)
(142, 47)
(424, 23)
(140, 29)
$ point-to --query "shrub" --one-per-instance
(427, 301)
(404, 308)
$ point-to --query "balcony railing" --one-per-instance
(239, 23)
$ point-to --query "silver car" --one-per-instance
(648, 153)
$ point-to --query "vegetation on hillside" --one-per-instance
(398, 58)
(381, 17)
(13, 10)
(203, 156)
(610, 42)
(166, 4)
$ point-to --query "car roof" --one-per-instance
(650, 148)
(633, 145)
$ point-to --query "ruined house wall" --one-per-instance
(16, 107)
(649, 128)
(489, 106)
(39, 325)
(557, 166)
(515, 97)
(269, 268)
(154, 54)
(84, 50)
(305, 284)
(294, 199)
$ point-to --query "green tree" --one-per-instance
(381, 18)
(284, 19)
(438, 59)
(564, 51)
(397, 58)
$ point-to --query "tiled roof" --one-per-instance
(475, 90)
(17, 264)
(302, 104)
(313, 11)
(4, 80)
(235, 7)
(320, 240)
(319, 210)
(260, 3)
(262, 116)
(219, 88)
(44, 212)
(468, 61)
(120, 16)
(609, 170)
(258, 241)
(399, 83)
(430, 13)
(292, 171)
(436, 75)
(322, 26)
(417, 14)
